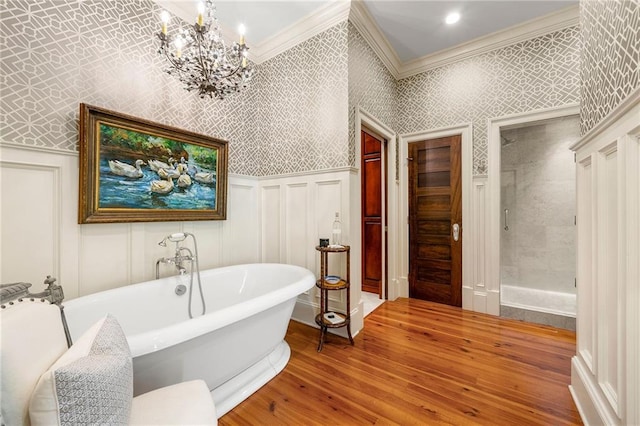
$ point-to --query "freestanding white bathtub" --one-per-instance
(237, 347)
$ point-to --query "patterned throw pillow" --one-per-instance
(91, 383)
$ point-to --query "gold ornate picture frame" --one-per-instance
(135, 170)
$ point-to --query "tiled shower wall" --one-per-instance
(56, 54)
(610, 57)
(538, 188)
(539, 73)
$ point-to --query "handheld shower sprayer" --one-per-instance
(174, 238)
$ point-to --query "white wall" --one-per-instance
(605, 380)
(40, 234)
(275, 219)
(295, 212)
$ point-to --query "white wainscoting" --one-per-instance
(477, 295)
(295, 212)
(605, 381)
(41, 236)
(275, 219)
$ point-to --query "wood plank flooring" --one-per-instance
(423, 363)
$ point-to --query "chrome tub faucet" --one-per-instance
(183, 254)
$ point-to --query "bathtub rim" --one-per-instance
(157, 339)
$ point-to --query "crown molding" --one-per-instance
(546, 24)
(357, 12)
(361, 18)
(314, 23)
(309, 26)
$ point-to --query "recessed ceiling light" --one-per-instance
(452, 18)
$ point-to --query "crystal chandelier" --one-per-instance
(199, 57)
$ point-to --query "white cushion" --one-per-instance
(32, 340)
(91, 383)
(187, 403)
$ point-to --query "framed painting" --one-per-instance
(135, 170)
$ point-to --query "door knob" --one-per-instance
(456, 232)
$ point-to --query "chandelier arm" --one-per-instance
(205, 65)
(175, 64)
(206, 72)
(234, 72)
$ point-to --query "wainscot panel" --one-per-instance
(40, 235)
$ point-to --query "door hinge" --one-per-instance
(575, 220)
(386, 228)
(575, 282)
(574, 157)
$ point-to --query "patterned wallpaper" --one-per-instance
(298, 113)
(299, 120)
(371, 86)
(56, 54)
(610, 58)
(539, 73)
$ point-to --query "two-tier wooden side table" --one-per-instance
(327, 318)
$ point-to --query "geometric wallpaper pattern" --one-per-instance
(298, 112)
(56, 54)
(538, 73)
(610, 59)
(300, 106)
(371, 86)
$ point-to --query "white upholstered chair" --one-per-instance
(40, 376)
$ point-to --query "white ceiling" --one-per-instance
(416, 28)
(413, 28)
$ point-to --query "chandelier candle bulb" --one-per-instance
(178, 44)
(241, 30)
(200, 12)
(165, 17)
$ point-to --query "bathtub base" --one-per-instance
(234, 391)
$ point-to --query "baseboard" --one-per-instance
(591, 403)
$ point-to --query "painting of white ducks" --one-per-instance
(147, 171)
(123, 169)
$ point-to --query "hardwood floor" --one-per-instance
(418, 362)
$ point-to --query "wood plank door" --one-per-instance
(435, 209)
(373, 178)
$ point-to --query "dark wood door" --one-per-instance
(435, 208)
(372, 179)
